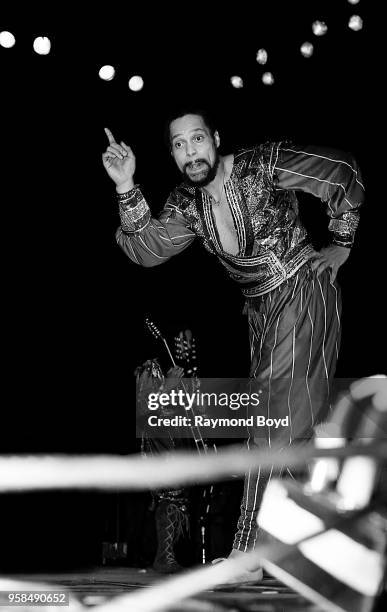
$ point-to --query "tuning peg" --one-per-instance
(152, 328)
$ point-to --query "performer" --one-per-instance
(244, 210)
(171, 515)
(172, 505)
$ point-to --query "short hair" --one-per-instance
(188, 110)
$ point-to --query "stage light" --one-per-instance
(353, 1)
(355, 23)
(136, 83)
(262, 56)
(319, 28)
(307, 49)
(42, 45)
(237, 82)
(107, 73)
(7, 40)
(267, 78)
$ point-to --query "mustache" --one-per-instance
(196, 161)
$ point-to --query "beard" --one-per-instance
(203, 177)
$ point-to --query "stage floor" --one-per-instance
(98, 585)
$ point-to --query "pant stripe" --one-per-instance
(290, 474)
(308, 368)
(256, 489)
(254, 504)
(271, 375)
(254, 335)
(260, 349)
(325, 333)
(246, 497)
(291, 384)
(338, 319)
(295, 285)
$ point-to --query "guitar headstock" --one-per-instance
(152, 327)
(185, 350)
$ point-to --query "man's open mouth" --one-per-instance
(196, 166)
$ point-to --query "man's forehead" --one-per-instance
(187, 123)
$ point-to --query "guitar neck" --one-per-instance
(169, 352)
(200, 444)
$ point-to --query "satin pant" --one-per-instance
(294, 339)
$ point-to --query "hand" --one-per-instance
(119, 161)
(149, 375)
(332, 257)
(172, 379)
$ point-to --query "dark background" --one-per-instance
(73, 304)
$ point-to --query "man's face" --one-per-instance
(194, 149)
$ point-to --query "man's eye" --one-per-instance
(199, 138)
(178, 145)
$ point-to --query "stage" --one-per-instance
(101, 584)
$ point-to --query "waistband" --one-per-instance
(259, 275)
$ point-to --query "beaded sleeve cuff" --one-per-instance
(134, 210)
(339, 241)
(344, 228)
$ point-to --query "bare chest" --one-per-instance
(224, 222)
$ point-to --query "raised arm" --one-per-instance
(145, 240)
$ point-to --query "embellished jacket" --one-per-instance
(261, 193)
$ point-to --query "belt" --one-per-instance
(261, 274)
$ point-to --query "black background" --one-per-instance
(73, 304)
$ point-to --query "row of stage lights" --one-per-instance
(42, 46)
(319, 28)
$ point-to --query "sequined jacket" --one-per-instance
(273, 244)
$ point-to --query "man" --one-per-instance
(244, 210)
(171, 514)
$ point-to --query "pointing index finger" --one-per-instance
(109, 135)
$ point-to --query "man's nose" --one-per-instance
(191, 149)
